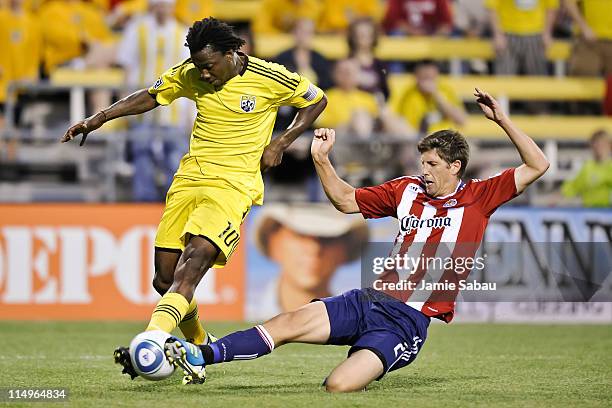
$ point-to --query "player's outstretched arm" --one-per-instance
(535, 162)
(273, 153)
(340, 193)
(138, 102)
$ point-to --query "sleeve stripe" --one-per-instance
(277, 73)
(276, 79)
(177, 66)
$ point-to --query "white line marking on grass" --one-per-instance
(44, 357)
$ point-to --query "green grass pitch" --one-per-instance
(460, 365)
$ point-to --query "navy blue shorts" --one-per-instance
(372, 320)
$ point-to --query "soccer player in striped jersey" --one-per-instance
(237, 97)
(385, 330)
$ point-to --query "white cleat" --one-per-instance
(187, 357)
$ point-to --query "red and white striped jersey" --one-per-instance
(425, 222)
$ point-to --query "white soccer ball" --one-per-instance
(148, 356)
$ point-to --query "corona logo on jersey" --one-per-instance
(407, 224)
(93, 262)
(247, 103)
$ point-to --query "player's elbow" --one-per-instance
(344, 208)
(346, 203)
(323, 102)
(542, 166)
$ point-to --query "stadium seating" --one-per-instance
(91, 78)
(401, 48)
(504, 88)
(513, 87)
(540, 127)
(507, 89)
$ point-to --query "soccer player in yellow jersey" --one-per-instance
(219, 179)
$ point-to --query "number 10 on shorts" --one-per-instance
(230, 237)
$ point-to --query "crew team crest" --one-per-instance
(247, 103)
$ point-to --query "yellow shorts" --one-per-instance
(209, 208)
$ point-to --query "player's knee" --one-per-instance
(340, 383)
(164, 272)
(160, 284)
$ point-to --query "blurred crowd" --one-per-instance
(145, 37)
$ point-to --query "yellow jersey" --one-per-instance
(522, 17)
(233, 124)
(336, 15)
(67, 26)
(188, 11)
(22, 42)
(342, 105)
(279, 16)
(421, 111)
(598, 16)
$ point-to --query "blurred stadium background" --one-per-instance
(77, 223)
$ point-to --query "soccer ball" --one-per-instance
(148, 356)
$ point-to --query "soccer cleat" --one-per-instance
(122, 357)
(188, 358)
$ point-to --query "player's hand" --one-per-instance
(490, 107)
(272, 156)
(322, 142)
(84, 127)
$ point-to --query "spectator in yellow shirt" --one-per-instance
(279, 16)
(593, 183)
(188, 11)
(73, 29)
(357, 115)
(21, 53)
(356, 112)
(336, 15)
(592, 52)
(522, 31)
(349, 109)
(74, 33)
(428, 105)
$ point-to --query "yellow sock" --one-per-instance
(169, 312)
(191, 326)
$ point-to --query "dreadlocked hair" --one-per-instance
(210, 32)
